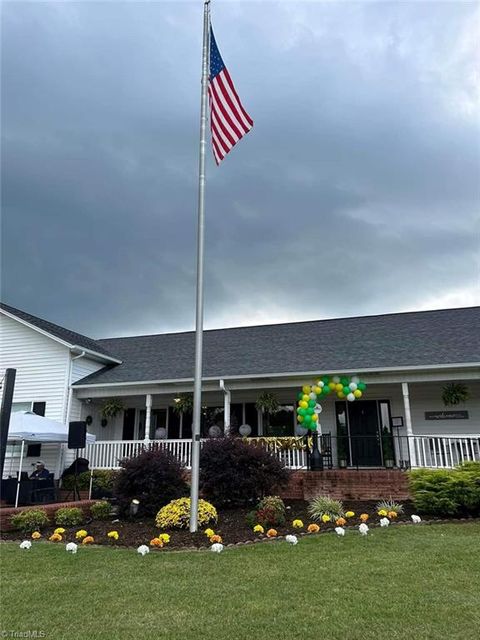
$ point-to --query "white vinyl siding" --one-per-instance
(41, 364)
(81, 367)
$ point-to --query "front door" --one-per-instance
(364, 433)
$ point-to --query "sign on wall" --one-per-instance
(446, 415)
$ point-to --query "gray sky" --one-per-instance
(357, 191)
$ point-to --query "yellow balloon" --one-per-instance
(358, 393)
(332, 385)
(306, 389)
(306, 398)
(339, 387)
(303, 404)
(300, 419)
(317, 390)
(340, 394)
(314, 417)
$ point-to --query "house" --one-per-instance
(406, 360)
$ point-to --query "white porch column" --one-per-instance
(408, 424)
(148, 416)
(227, 396)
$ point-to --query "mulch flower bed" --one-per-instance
(231, 526)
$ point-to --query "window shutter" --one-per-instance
(39, 408)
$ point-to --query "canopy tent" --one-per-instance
(28, 426)
(25, 425)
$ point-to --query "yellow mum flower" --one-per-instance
(326, 518)
(113, 535)
(36, 535)
(297, 524)
(55, 537)
(313, 528)
(383, 513)
(59, 530)
(258, 529)
(350, 514)
(164, 537)
(209, 533)
(81, 533)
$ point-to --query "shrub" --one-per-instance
(447, 491)
(103, 482)
(30, 520)
(389, 505)
(325, 506)
(270, 512)
(101, 510)
(154, 477)
(234, 472)
(176, 514)
(69, 516)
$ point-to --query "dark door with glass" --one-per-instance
(364, 433)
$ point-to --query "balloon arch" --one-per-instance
(309, 408)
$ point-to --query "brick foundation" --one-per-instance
(348, 484)
(7, 512)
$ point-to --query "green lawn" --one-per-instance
(403, 582)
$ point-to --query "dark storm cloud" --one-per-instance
(356, 192)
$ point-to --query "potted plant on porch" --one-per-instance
(387, 448)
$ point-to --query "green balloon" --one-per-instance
(346, 390)
(325, 380)
(362, 386)
(326, 390)
(344, 381)
(310, 411)
(303, 412)
(300, 395)
(311, 403)
(308, 419)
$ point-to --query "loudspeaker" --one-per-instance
(77, 435)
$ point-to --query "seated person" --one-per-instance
(40, 472)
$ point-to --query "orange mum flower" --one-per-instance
(216, 539)
(55, 537)
(272, 533)
(87, 540)
(340, 522)
(364, 517)
(313, 528)
(392, 515)
(156, 542)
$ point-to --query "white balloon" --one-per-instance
(245, 430)
(350, 397)
(214, 431)
(355, 379)
(320, 384)
(336, 379)
(352, 386)
(160, 433)
(318, 409)
(312, 396)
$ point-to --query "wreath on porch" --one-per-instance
(308, 408)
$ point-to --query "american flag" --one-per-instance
(229, 121)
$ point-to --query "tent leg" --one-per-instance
(20, 464)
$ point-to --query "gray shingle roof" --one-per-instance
(71, 337)
(423, 338)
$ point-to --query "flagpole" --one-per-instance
(197, 389)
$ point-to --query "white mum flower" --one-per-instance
(340, 531)
(291, 539)
(26, 544)
(216, 547)
(416, 519)
(384, 522)
(143, 549)
(71, 547)
(363, 528)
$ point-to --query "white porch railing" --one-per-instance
(437, 452)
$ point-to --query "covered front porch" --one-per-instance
(398, 424)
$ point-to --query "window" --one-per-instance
(21, 406)
(280, 423)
